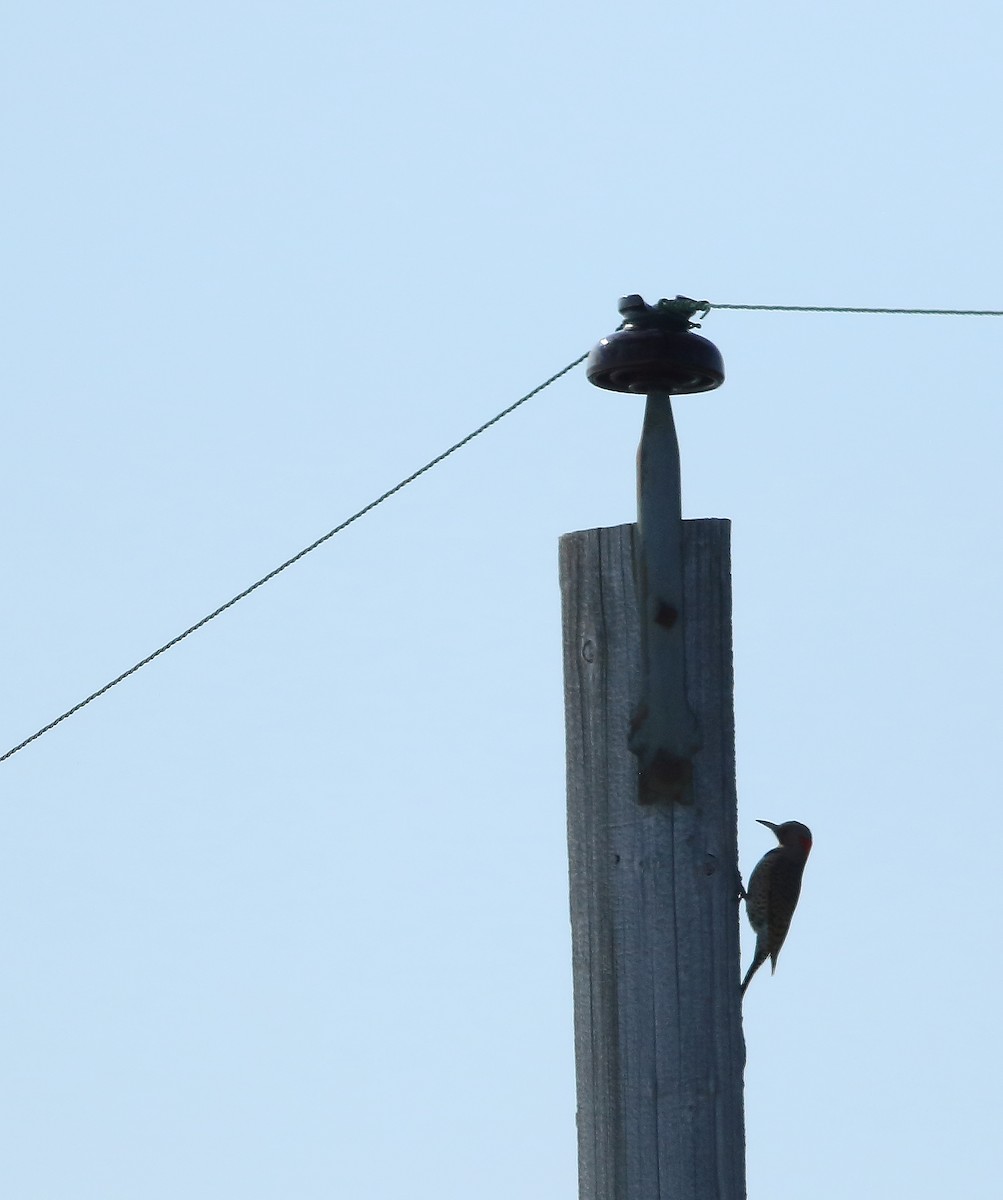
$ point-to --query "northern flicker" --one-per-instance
(774, 887)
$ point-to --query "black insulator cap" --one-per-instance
(656, 350)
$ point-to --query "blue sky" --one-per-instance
(286, 914)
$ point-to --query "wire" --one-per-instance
(290, 561)
(912, 312)
(143, 662)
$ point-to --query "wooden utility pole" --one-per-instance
(654, 879)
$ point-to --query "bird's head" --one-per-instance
(791, 833)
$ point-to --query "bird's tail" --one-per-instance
(762, 954)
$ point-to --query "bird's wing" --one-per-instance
(785, 887)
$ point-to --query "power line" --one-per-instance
(911, 312)
(290, 561)
(928, 312)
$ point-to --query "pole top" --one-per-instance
(655, 350)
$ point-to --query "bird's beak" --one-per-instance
(769, 825)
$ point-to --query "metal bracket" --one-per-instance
(664, 732)
(655, 352)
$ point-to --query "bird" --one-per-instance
(773, 891)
